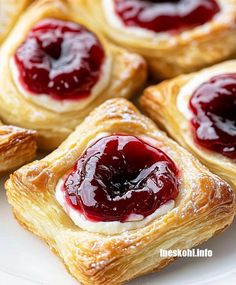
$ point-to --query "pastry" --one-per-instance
(198, 110)
(56, 67)
(10, 10)
(174, 36)
(116, 192)
(17, 146)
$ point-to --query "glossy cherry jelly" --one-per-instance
(214, 107)
(120, 175)
(61, 59)
(164, 16)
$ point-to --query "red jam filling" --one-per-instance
(214, 107)
(164, 15)
(61, 59)
(120, 175)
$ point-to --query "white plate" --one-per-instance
(25, 260)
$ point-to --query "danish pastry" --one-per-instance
(10, 10)
(198, 110)
(17, 146)
(56, 67)
(174, 36)
(116, 192)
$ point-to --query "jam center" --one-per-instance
(120, 175)
(61, 59)
(163, 16)
(214, 107)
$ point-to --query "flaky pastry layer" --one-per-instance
(17, 147)
(10, 10)
(205, 205)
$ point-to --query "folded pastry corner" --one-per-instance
(9, 13)
(17, 147)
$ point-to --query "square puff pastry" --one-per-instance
(126, 75)
(164, 104)
(171, 55)
(17, 146)
(10, 10)
(205, 205)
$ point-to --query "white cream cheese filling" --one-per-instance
(133, 222)
(115, 21)
(61, 106)
(190, 87)
(111, 228)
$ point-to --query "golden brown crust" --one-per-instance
(181, 53)
(205, 205)
(10, 11)
(160, 102)
(127, 76)
(17, 146)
